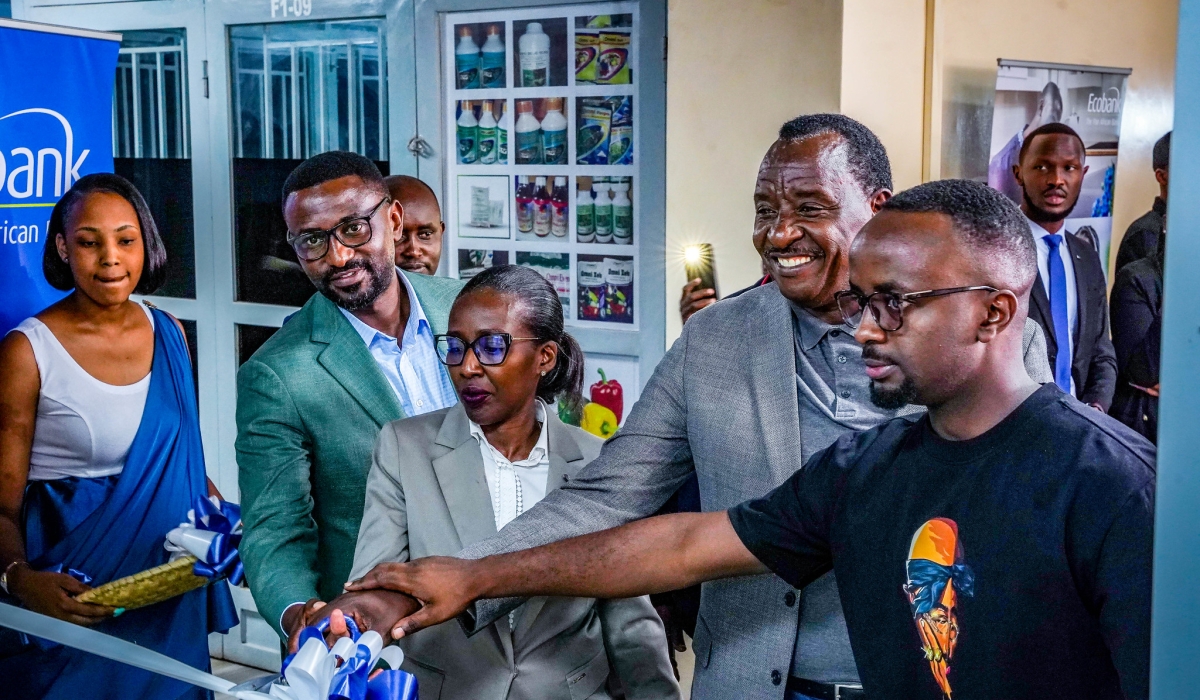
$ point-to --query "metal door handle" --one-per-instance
(419, 147)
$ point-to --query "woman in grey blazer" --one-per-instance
(451, 478)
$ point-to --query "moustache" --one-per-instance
(871, 352)
(352, 265)
(793, 250)
(1055, 190)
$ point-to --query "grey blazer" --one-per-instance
(427, 495)
(722, 403)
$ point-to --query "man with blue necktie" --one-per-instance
(1070, 299)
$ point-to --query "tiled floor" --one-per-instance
(240, 674)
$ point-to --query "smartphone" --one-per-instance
(698, 263)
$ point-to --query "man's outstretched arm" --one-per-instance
(648, 556)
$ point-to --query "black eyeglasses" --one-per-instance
(490, 348)
(352, 233)
(888, 307)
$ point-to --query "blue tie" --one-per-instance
(1058, 312)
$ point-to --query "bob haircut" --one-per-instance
(154, 264)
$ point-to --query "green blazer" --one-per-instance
(310, 405)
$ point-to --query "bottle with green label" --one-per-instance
(533, 51)
(529, 135)
(622, 209)
(503, 126)
(468, 134)
(554, 133)
(466, 60)
(604, 213)
(487, 134)
(585, 216)
(491, 61)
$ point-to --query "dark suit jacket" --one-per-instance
(1137, 336)
(1094, 366)
(1141, 238)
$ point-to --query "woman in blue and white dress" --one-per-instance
(100, 453)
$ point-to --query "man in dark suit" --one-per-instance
(1069, 301)
(1141, 238)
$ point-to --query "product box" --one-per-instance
(592, 132)
(587, 49)
(590, 303)
(612, 64)
(605, 288)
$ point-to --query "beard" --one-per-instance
(361, 295)
(1041, 216)
(892, 399)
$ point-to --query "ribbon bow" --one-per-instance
(927, 580)
(212, 535)
(317, 672)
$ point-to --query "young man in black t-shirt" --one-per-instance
(998, 547)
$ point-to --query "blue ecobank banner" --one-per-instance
(55, 127)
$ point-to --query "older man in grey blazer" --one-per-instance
(752, 387)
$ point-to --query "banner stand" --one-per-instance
(56, 88)
(1090, 100)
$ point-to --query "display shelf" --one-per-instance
(487, 223)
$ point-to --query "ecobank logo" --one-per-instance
(47, 172)
(1108, 102)
(35, 175)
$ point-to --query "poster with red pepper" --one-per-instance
(611, 382)
(610, 394)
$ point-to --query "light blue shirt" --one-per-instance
(411, 366)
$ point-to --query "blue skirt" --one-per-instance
(177, 627)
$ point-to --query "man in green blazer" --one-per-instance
(312, 400)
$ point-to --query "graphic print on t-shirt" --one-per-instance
(937, 575)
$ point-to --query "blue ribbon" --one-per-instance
(392, 685)
(73, 573)
(318, 632)
(223, 559)
(927, 580)
(352, 680)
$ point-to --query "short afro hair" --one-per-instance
(1162, 153)
(154, 253)
(985, 219)
(332, 165)
(1051, 128)
(868, 158)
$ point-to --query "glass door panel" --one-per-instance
(298, 89)
(152, 143)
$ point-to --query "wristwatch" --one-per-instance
(4, 576)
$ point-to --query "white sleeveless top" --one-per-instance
(84, 427)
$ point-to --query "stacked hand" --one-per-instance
(371, 610)
(443, 585)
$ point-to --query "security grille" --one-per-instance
(318, 86)
(150, 99)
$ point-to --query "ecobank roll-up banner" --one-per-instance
(1089, 99)
(55, 126)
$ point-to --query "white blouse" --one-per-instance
(515, 486)
(84, 426)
